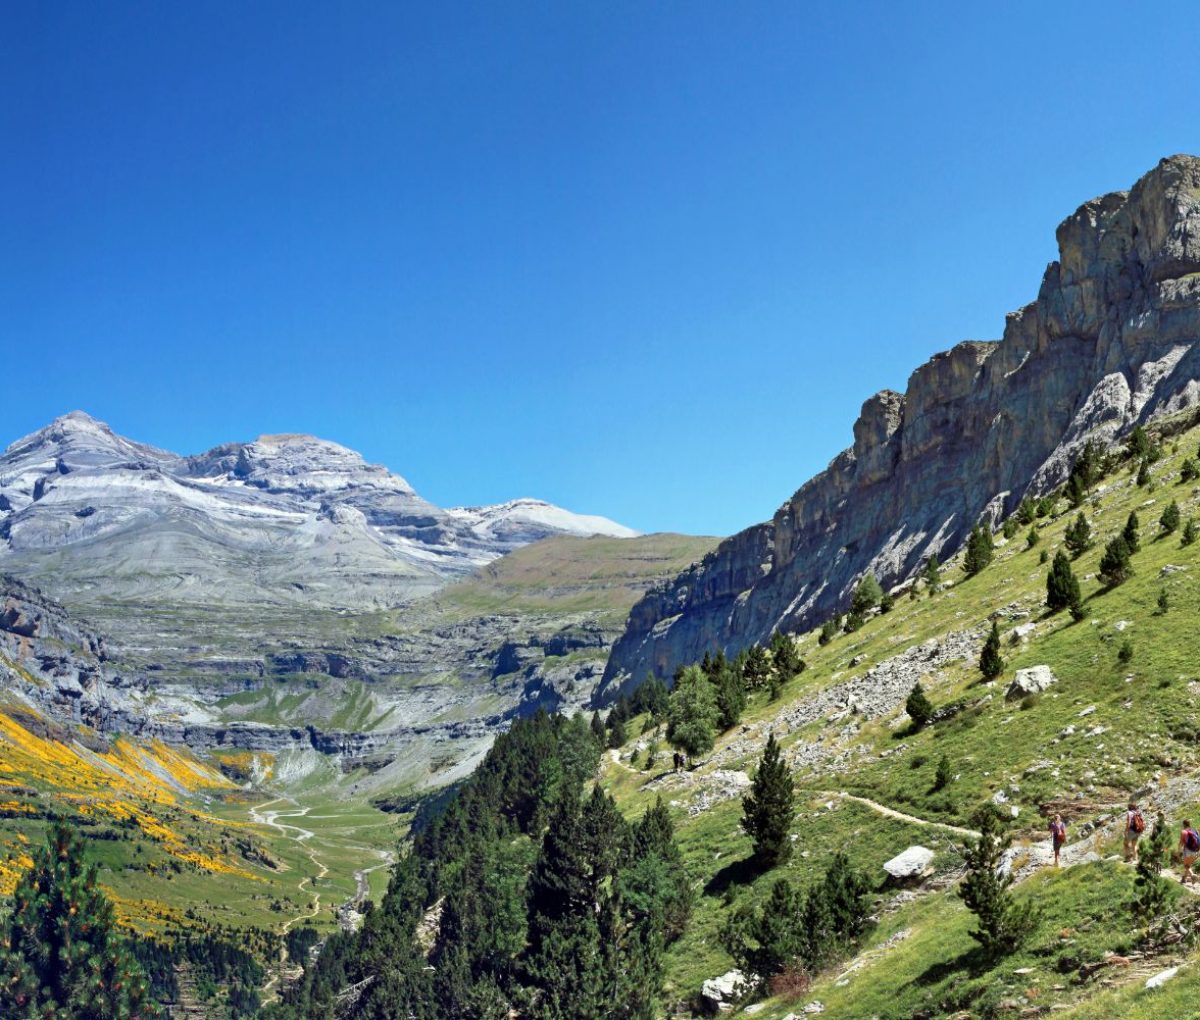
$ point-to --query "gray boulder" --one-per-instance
(1033, 680)
(719, 994)
(911, 866)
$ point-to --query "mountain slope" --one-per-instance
(1112, 339)
(287, 519)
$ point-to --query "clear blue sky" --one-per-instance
(640, 259)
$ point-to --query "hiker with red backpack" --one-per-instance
(1189, 848)
(1058, 833)
(1135, 825)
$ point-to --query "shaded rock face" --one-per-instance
(1111, 340)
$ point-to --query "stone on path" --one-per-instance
(913, 864)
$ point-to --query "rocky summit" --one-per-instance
(285, 519)
(1113, 339)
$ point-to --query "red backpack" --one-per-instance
(1139, 823)
(1191, 840)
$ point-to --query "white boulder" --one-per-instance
(1033, 680)
(914, 863)
(720, 993)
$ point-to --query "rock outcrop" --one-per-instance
(1111, 340)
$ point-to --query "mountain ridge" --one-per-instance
(1112, 339)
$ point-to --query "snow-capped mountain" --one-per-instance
(282, 519)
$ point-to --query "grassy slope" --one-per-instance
(1148, 708)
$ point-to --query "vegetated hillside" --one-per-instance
(1122, 720)
(1111, 340)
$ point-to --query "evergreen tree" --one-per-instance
(1151, 897)
(829, 630)
(764, 940)
(616, 732)
(730, 694)
(1075, 491)
(1062, 587)
(1138, 443)
(757, 671)
(866, 595)
(1046, 505)
(887, 603)
(1026, 513)
(768, 808)
(944, 774)
(1189, 532)
(918, 707)
(1169, 521)
(692, 713)
(1032, 538)
(932, 574)
(1189, 471)
(651, 698)
(1115, 565)
(1078, 536)
(1131, 533)
(61, 954)
(991, 663)
(599, 732)
(654, 841)
(1143, 475)
(979, 550)
(1003, 923)
(844, 892)
(784, 657)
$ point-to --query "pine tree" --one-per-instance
(599, 732)
(918, 707)
(1078, 536)
(61, 954)
(1138, 443)
(1115, 565)
(784, 657)
(1131, 533)
(768, 808)
(1026, 512)
(730, 693)
(1032, 538)
(1143, 475)
(979, 550)
(866, 595)
(1062, 587)
(692, 713)
(1151, 887)
(757, 670)
(829, 631)
(1189, 471)
(1189, 532)
(991, 663)
(1169, 521)
(944, 774)
(932, 574)
(651, 698)
(1003, 923)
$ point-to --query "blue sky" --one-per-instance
(641, 259)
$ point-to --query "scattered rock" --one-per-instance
(1161, 978)
(720, 993)
(912, 865)
(1033, 680)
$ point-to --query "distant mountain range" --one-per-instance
(284, 519)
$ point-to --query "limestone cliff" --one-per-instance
(1112, 339)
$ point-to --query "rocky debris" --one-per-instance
(1110, 341)
(876, 693)
(910, 866)
(720, 994)
(1033, 680)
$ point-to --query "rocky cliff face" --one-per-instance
(1112, 339)
(286, 519)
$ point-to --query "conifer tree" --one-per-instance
(1151, 887)
(1003, 923)
(1189, 471)
(918, 707)
(932, 574)
(1062, 587)
(1138, 443)
(757, 670)
(1115, 565)
(1189, 532)
(692, 713)
(980, 548)
(829, 630)
(61, 955)
(784, 657)
(991, 663)
(1032, 538)
(599, 732)
(1078, 536)
(1131, 533)
(730, 694)
(768, 808)
(1143, 475)
(1026, 513)
(1169, 521)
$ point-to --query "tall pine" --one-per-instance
(62, 956)
(768, 808)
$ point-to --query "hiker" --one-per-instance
(1189, 849)
(1058, 833)
(1135, 825)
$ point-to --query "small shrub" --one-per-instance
(793, 981)
(1189, 532)
(1044, 557)
(944, 776)
(1125, 652)
(1029, 701)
